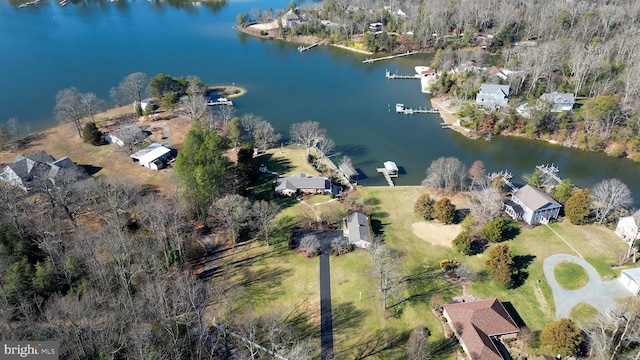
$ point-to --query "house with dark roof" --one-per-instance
(302, 183)
(560, 101)
(493, 95)
(532, 205)
(480, 326)
(26, 169)
(357, 230)
(126, 135)
(628, 227)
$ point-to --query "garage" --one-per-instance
(630, 278)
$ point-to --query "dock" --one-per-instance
(369, 61)
(389, 170)
(401, 109)
(506, 177)
(550, 171)
(390, 76)
(305, 48)
(220, 101)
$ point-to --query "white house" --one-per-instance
(561, 101)
(492, 95)
(628, 227)
(154, 156)
(290, 19)
(630, 278)
(532, 205)
(357, 230)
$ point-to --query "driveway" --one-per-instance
(600, 294)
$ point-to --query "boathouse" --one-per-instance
(391, 168)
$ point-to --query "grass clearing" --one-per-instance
(583, 314)
(570, 276)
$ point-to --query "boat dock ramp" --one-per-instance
(401, 109)
(389, 75)
(369, 61)
(305, 48)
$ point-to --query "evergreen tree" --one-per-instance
(424, 206)
(563, 337)
(500, 263)
(444, 211)
(203, 170)
(563, 191)
(495, 229)
(246, 170)
(536, 179)
(462, 243)
(577, 207)
(92, 135)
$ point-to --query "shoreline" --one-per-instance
(448, 116)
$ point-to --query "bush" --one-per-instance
(495, 229)
(92, 135)
(462, 242)
(444, 211)
(424, 206)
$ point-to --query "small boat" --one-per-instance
(421, 69)
(63, 3)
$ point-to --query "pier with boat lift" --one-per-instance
(305, 48)
(220, 101)
(390, 76)
(390, 170)
(401, 109)
(369, 61)
(550, 171)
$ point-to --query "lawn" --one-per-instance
(570, 276)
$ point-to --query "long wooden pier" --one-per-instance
(401, 109)
(386, 176)
(369, 61)
(389, 75)
(305, 48)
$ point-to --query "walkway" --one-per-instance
(600, 294)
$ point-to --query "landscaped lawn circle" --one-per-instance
(570, 276)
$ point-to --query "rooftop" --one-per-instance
(534, 198)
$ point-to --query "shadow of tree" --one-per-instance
(520, 265)
(422, 283)
(512, 231)
(262, 284)
(384, 343)
(442, 348)
(352, 150)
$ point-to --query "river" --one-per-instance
(93, 45)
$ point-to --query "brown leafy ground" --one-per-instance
(436, 233)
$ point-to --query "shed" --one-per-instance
(153, 156)
(630, 279)
(391, 168)
(357, 229)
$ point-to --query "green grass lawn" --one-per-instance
(583, 314)
(570, 276)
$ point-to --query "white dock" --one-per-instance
(369, 61)
(390, 76)
(389, 170)
(401, 109)
(386, 176)
(551, 171)
(305, 48)
(220, 101)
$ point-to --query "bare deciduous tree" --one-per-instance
(385, 262)
(446, 174)
(608, 196)
(231, 214)
(194, 105)
(264, 136)
(131, 88)
(307, 134)
(68, 108)
(264, 212)
(486, 205)
(91, 103)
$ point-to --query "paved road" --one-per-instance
(326, 322)
(600, 294)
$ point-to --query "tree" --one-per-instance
(500, 263)
(486, 204)
(424, 206)
(246, 170)
(462, 243)
(263, 212)
(234, 131)
(325, 147)
(307, 134)
(131, 88)
(264, 136)
(495, 229)
(478, 175)
(68, 108)
(444, 211)
(608, 196)
(203, 170)
(231, 213)
(563, 337)
(13, 126)
(386, 266)
(4, 136)
(535, 179)
(418, 343)
(194, 105)
(91, 134)
(91, 103)
(446, 174)
(577, 207)
(563, 191)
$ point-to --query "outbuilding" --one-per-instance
(155, 156)
(630, 279)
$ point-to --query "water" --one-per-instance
(92, 46)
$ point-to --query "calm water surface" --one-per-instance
(93, 45)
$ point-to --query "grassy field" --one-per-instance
(570, 276)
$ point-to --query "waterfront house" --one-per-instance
(358, 230)
(126, 135)
(532, 205)
(376, 26)
(302, 183)
(481, 326)
(630, 279)
(25, 170)
(155, 156)
(493, 95)
(628, 227)
(560, 101)
(290, 19)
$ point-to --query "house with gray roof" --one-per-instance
(560, 101)
(493, 95)
(126, 135)
(302, 183)
(628, 227)
(481, 326)
(532, 205)
(357, 229)
(290, 19)
(26, 169)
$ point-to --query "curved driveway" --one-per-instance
(600, 294)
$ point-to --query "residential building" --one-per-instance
(27, 169)
(532, 205)
(126, 135)
(560, 101)
(290, 19)
(630, 279)
(628, 227)
(302, 183)
(357, 229)
(493, 96)
(481, 326)
(155, 156)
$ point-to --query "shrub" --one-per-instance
(462, 242)
(444, 211)
(424, 206)
(92, 135)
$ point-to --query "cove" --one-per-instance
(93, 45)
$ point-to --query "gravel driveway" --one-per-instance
(600, 294)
